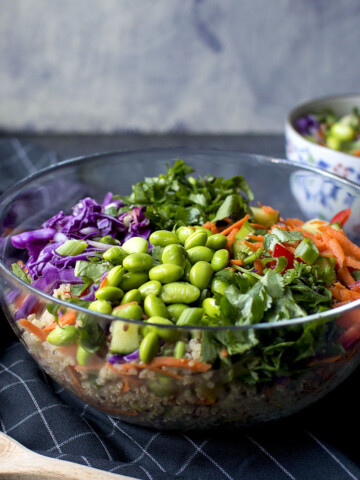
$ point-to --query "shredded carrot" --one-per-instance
(181, 363)
(238, 262)
(351, 262)
(260, 238)
(345, 276)
(123, 369)
(20, 262)
(294, 222)
(338, 252)
(231, 239)
(224, 352)
(50, 327)
(38, 332)
(20, 299)
(96, 364)
(348, 247)
(325, 361)
(258, 265)
(342, 294)
(103, 283)
(237, 224)
(268, 209)
(126, 386)
(68, 318)
(340, 304)
(74, 381)
(211, 226)
(356, 153)
(258, 226)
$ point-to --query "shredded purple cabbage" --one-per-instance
(113, 359)
(88, 221)
(307, 124)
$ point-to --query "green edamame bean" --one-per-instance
(203, 229)
(115, 255)
(179, 292)
(220, 260)
(101, 306)
(333, 143)
(197, 239)
(219, 286)
(138, 262)
(216, 241)
(342, 132)
(166, 273)
(83, 356)
(175, 254)
(197, 254)
(131, 311)
(187, 268)
(162, 238)
(184, 233)
(136, 245)
(175, 310)
(148, 288)
(109, 293)
(200, 274)
(169, 334)
(210, 307)
(115, 276)
(191, 316)
(133, 295)
(155, 307)
(62, 336)
(149, 347)
(180, 349)
(162, 386)
(133, 280)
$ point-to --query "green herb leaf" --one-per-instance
(19, 272)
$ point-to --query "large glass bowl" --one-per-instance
(178, 398)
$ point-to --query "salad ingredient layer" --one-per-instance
(192, 253)
(329, 130)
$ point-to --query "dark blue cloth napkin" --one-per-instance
(320, 442)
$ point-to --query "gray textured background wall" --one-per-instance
(171, 65)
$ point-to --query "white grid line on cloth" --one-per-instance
(9, 385)
(268, 454)
(71, 439)
(209, 458)
(192, 456)
(22, 153)
(2, 426)
(136, 443)
(36, 413)
(332, 455)
(98, 437)
(147, 473)
(6, 369)
(86, 461)
(13, 345)
(118, 467)
(51, 433)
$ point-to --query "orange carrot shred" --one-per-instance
(345, 276)
(231, 239)
(237, 224)
(338, 252)
(68, 318)
(38, 332)
(258, 265)
(348, 247)
(103, 283)
(238, 262)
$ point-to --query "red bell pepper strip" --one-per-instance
(342, 217)
(280, 251)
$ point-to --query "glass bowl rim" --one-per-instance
(329, 314)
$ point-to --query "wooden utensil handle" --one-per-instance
(44, 468)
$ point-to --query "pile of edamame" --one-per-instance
(162, 289)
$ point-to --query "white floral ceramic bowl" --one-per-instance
(303, 151)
